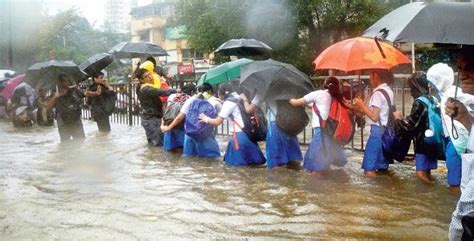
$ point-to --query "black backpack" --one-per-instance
(109, 105)
(255, 124)
(69, 107)
(173, 109)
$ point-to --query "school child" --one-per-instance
(207, 147)
(174, 138)
(416, 125)
(377, 115)
(280, 148)
(322, 150)
(441, 79)
(241, 151)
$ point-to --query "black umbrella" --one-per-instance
(96, 63)
(45, 74)
(279, 82)
(136, 50)
(243, 47)
(419, 22)
(275, 80)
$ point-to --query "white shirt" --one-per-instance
(272, 109)
(187, 105)
(171, 97)
(322, 99)
(231, 111)
(216, 102)
(378, 100)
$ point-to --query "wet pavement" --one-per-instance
(115, 187)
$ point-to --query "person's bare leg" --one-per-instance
(424, 176)
(455, 189)
(370, 173)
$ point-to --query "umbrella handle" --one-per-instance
(454, 130)
(380, 47)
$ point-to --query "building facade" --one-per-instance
(150, 23)
(117, 15)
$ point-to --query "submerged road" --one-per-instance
(115, 187)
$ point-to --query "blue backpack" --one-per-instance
(435, 124)
(193, 126)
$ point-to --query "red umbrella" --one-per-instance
(360, 54)
(7, 91)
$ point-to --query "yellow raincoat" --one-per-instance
(148, 65)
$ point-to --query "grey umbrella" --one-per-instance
(136, 50)
(278, 82)
(419, 22)
(244, 47)
(275, 80)
(96, 63)
(45, 74)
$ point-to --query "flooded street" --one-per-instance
(116, 187)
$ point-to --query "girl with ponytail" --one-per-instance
(322, 151)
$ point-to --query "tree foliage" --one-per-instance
(34, 36)
(297, 30)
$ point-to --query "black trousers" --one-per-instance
(153, 130)
(103, 124)
(71, 131)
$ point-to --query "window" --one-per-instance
(144, 35)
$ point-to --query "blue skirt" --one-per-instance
(202, 148)
(373, 155)
(453, 163)
(173, 139)
(248, 152)
(425, 163)
(322, 152)
(281, 148)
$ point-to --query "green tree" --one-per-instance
(297, 30)
(36, 34)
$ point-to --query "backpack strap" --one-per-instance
(322, 122)
(234, 123)
(389, 102)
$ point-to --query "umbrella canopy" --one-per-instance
(96, 63)
(359, 54)
(244, 47)
(136, 50)
(419, 22)
(45, 74)
(7, 91)
(224, 72)
(275, 80)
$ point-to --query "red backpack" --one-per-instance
(339, 123)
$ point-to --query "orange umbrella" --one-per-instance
(360, 54)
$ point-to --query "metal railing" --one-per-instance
(128, 108)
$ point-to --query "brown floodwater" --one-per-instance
(115, 187)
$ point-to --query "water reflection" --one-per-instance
(117, 187)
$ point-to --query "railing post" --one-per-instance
(130, 104)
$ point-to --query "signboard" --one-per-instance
(201, 63)
(175, 33)
(185, 69)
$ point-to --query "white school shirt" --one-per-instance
(378, 100)
(230, 108)
(272, 109)
(216, 103)
(322, 99)
(187, 105)
(171, 97)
